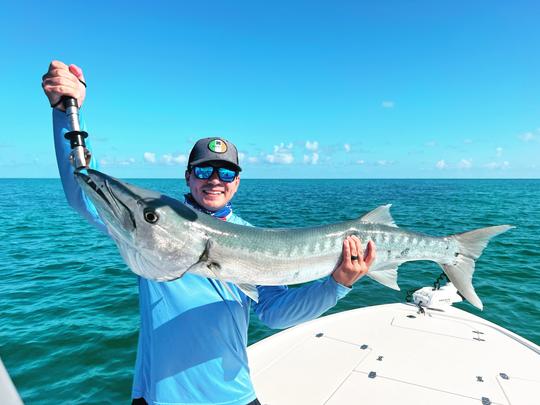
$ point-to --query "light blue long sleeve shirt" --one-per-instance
(193, 334)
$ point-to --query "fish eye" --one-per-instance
(150, 216)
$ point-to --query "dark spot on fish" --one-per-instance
(456, 254)
(214, 266)
(405, 252)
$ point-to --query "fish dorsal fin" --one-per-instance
(380, 215)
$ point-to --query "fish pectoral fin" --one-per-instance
(387, 276)
(250, 290)
(380, 215)
(231, 292)
(213, 267)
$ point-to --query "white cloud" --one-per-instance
(497, 165)
(150, 157)
(126, 162)
(441, 164)
(241, 156)
(313, 146)
(465, 164)
(170, 159)
(384, 162)
(313, 159)
(282, 155)
(347, 147)
(527, 137)
(252, 159)
(388, 104)
(498, 151)
(117, 162)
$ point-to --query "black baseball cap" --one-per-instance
(214, 150)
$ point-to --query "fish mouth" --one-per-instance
(108, 196)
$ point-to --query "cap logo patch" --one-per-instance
(217, 146)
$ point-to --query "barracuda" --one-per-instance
(160, 238)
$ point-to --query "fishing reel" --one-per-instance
(80, 156)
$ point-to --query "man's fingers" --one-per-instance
(61, 81)
(358, 248)
(77, 71)
(56, 64)
(55, 92)
(370, 253)
(58, 73)
(62, 73)
(346, 252)
(354, 249)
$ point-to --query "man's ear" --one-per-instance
(186, 176)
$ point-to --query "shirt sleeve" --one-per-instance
(74, 194)
(281, 307)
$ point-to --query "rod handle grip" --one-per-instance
(68, 101)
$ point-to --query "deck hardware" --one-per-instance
(504, 376)
(411, 316)
(437, 283)
(486, 401)
(479, 339)
(380, 358)
(364, 347)
(372, 374)
(477, 331)
(479, 378)
(319, 334)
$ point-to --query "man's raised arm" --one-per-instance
(62, 80)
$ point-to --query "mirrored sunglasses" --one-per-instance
(205, 172)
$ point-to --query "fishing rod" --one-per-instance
(80, 155)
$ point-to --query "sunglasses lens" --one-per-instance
(226, 175)
(203, 172)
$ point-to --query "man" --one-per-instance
(193, 335)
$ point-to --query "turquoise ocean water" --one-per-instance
(68, 304)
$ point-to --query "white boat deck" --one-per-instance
(8, 393)
(391, 354)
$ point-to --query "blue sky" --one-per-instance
(386, 89)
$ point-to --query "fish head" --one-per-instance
(151, 230)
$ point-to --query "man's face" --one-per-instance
(212, 193)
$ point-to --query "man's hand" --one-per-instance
(355, 262)
(63, 80)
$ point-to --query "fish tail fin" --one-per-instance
(460, 271)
